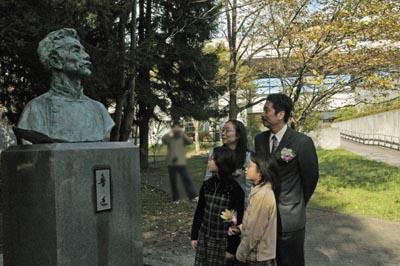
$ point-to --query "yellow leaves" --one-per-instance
(315, 72)
(351, 43)
(376, 81)
(91, 20)
(316, 78)
(227, 215)
(318, 81)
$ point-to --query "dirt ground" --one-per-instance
(166, 228)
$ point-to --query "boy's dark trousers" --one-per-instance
(187, 182)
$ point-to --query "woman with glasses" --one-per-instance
(234, 137)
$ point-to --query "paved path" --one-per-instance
(376, 153)
(338, 239)
(331, 239)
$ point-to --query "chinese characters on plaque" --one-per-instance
(103, 189)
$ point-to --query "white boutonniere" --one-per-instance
(287, 154)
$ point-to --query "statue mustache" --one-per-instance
(86, 64)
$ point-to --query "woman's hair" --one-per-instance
(267, 168)
(241, 146)
(225, 159)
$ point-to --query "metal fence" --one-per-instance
(382, 140)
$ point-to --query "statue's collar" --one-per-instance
(66, 90)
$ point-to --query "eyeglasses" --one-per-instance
(226, 130)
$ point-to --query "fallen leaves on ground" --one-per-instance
(164, 223)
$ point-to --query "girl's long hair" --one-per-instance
(225, 159)
(241, 146)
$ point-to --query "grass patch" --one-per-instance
(196, 166)
(350, 183)
(161, 149)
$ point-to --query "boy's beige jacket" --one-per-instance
(259, 226)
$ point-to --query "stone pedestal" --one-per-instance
(51, 214)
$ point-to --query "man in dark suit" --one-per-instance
(297, 169)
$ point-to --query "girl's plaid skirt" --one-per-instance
(210, 252)
(258, 263)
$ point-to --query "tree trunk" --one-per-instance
(129, 112)
(144, 115)
(144, 141)
(231, 16)
(196, 134)
(124, 109)
(233, 109)
(117, 119)
(146, 108)
(135, 135)
(126, 125)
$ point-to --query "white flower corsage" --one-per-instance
(287, 154)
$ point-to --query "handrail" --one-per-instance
(387, 141)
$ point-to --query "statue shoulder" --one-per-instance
(35, 114)
(37, 106)
(98, 105)
(108, 122)
(39, 102)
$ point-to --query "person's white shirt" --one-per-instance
(279, 136)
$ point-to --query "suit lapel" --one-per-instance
(285, 140)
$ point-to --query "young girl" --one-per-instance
(220, 192)
(258, 230)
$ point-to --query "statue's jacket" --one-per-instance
(73, 118)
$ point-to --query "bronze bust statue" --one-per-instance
(64, 113)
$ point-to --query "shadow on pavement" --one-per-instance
(337, 239)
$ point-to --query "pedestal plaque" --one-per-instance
(102, 179)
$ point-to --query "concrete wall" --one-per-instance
(326, 138)
(381, 129)
(387, 123)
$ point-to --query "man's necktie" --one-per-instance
(274, 143)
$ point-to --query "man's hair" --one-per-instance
(225, 159)
(52, 42)
(281, 102)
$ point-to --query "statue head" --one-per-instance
(62, 51)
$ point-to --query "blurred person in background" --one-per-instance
(176, 140)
